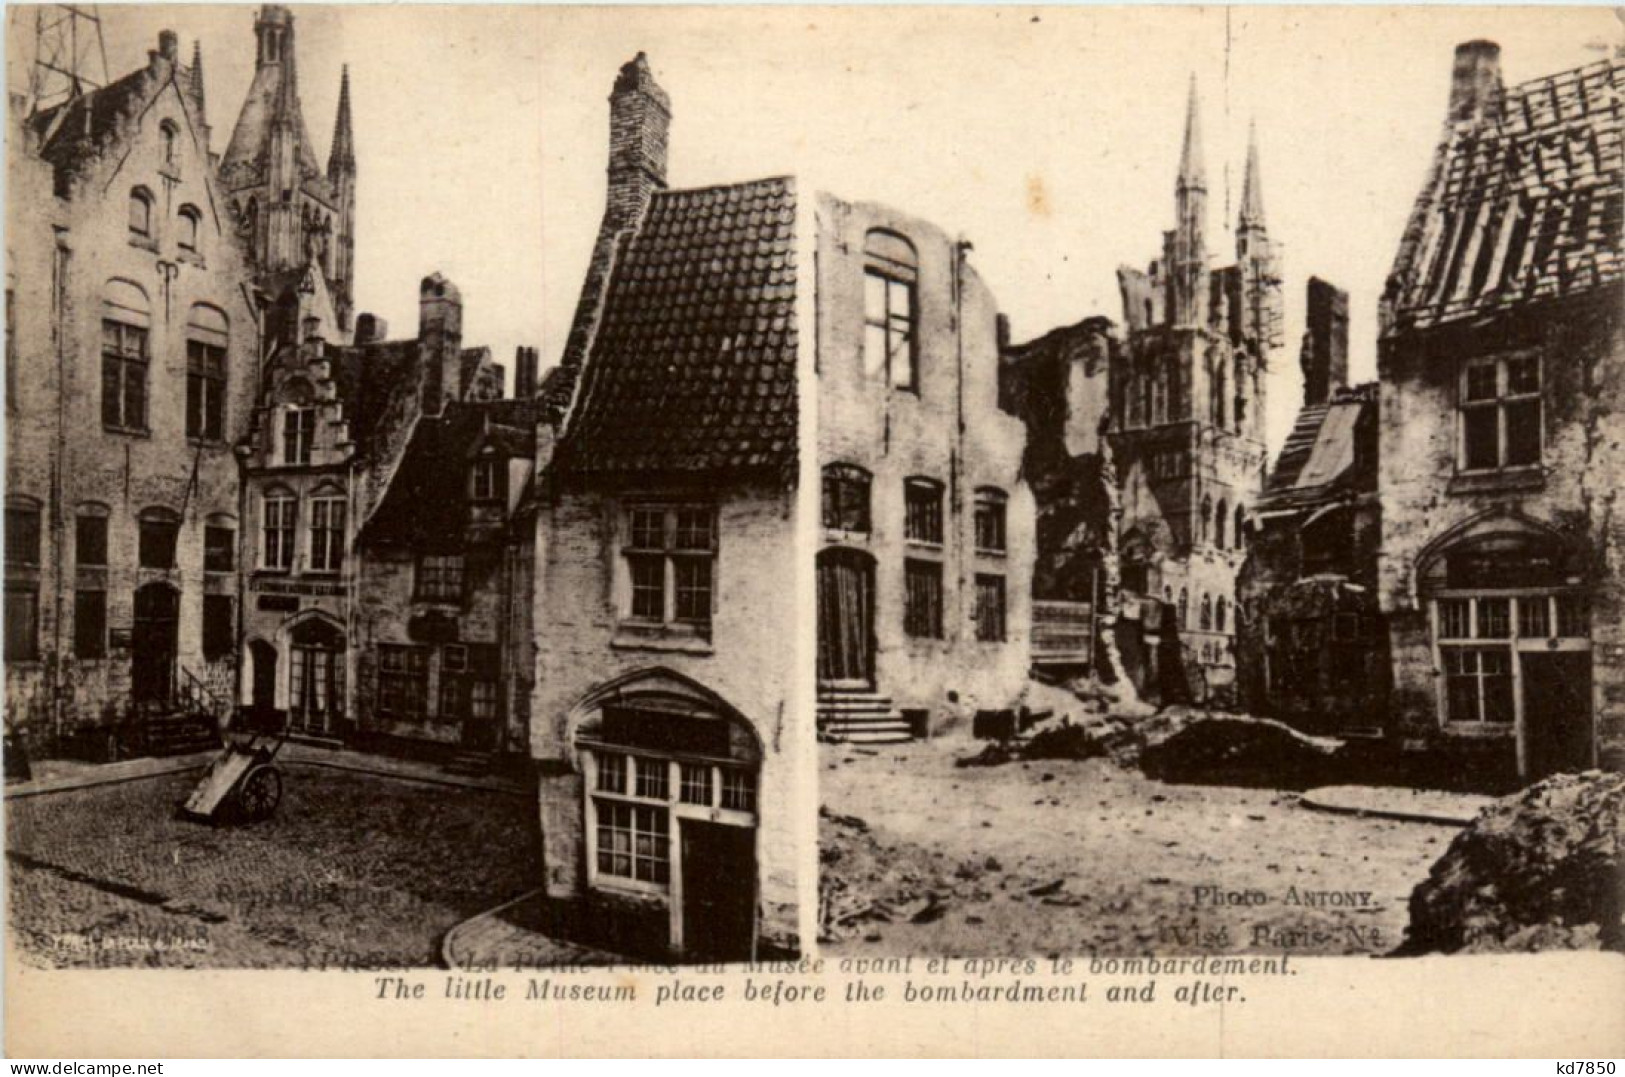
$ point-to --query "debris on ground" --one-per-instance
(1239, 750)
(861, 882)
(1538, 870)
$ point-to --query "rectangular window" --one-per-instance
(219, 549)
(888, 343)
(484, 481)
(469, 676)
(298, 435)
(440, 577)
(403, 681)
(633, 842)
(696, 784)
(990, 522)
(205, 391)
(670, 561)
(279, 532)
(990, 626)
(22, 536)
(157, 538)
(90, 624)
(124, 376)
(1494, 618)
(1478, 684)
(738, 789)
(219, 626)
(1501, 413)
(1455, 619)
(1573, 617)
(651, 777)
(612, 772)
(90, 541)
(846, 498)
(326, 534)
(922, 502)
(922, 613)
(22, 623)
(1534, 617)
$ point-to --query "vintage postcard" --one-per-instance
(544, 530)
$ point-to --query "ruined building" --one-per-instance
(743, 358)
(130, 369)
(1502, 370)
(1311, 648)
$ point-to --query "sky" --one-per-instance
(1048, 137)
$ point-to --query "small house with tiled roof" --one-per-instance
(1502, 369)
(776, 472)
(1311, 649)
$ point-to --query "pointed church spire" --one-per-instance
(286, 109)
(1252, 189)
(197, 76)
(1192, 173)
(342, 155)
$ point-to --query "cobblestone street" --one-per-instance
(354, 870)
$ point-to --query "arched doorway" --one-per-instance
(670, 813)
(153, 644)
(316, 677)
(846, 618)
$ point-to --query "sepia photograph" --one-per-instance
(502, 497)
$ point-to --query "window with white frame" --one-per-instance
(1500, 413)
(670, 556)
(1479, 636)
(298, 435)
(279, 512)
(327, 533)
(890, 271)
(403, 681)
(634, 797)
(485, 480)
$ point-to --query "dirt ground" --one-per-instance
(352, 871)
(1068, 857)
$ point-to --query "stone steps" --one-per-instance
(860, 717)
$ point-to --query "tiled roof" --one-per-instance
(89, 118)
(1524, 207)
(1318, 456)
(424, 508)
(693, 366)
(370, 378)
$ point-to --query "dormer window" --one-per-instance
(167, 133)
(298, 433)
(890, 271)
(485, 480)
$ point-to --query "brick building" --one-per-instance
(694, 518)
(130, 368)
(1311, 648)
(1500, 360)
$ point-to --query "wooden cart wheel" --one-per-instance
(261, 792)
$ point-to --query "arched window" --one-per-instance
(280, 510)
(1184, 608)
(207, 334)
(890, 272)
(141, 212)
(159, 529)
(1204, 524)
(846, 498)
(1221, 520)
(990, 520)
(190, 222)
(1207, 613)
(1241, 527)
(125, 324)
(1241, 389)
(167, 134)
(1220, 609)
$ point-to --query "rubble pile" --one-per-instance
(862, 883)
(1538, 870)
(1232, 749)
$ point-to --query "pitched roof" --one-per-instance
(1523, 207)
(422, 507)
(1321, 452)
(693, 366)
(88, 119)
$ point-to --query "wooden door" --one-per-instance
(846, 617)
(719, 890)
(1556, 712)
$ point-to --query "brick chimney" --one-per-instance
(1325, 353)
(639, 124)
(440, 338)
(524, 373)
(371, 329)
(1475, 83)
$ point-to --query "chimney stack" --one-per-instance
(169, 45)
(524, 373)
(639, 122)
(1325, 354)
(371, 329)
(1475, 83)
(440, 337)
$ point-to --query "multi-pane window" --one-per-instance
(90, 624)
(922, 511)
(633, 799)
(484, 480)
(403, 681)
(888, 315)
(1476, 647)
(990, 521)
(633, 842)
(326, 534)
(89, 540)
(298, 434)
(280, 510)
(650, 777)
(205, 390)
(990, 617)
(124, 376)
(440, 577)
(922, 599)
(469, 677)
(22, 535)
(219, 626)
(158, 532)
(1500, 413)
(696, 784)
(738, 789)
(846, 498)
(1478, 684)
(612, 772)
(219, 549)
(22, 622)
(670, 558)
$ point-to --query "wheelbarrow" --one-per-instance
(244, 784)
